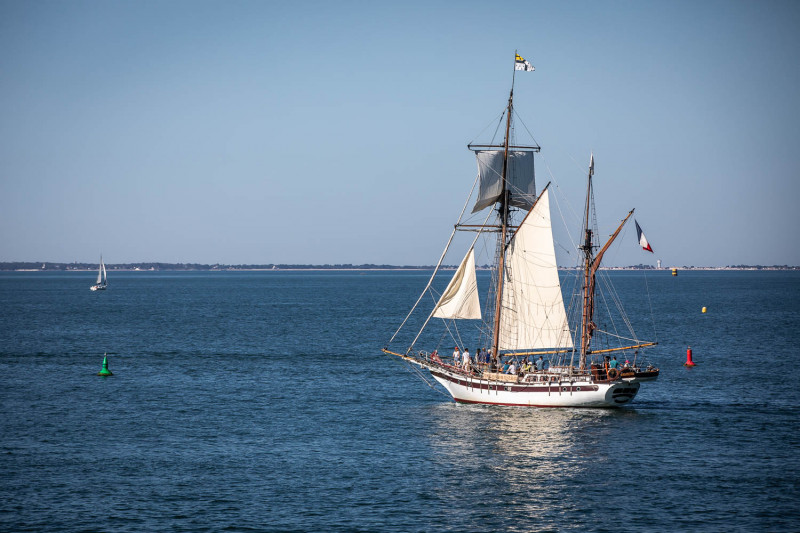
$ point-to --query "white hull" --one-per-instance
(564, 392)
(97, 288)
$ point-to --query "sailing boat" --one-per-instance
(527, 314)
(102, 280)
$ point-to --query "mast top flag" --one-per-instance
(522, 64)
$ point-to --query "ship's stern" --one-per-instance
(622, 392)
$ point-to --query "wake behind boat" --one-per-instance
(102, 280)
(540, 353)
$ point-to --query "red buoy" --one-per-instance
(689, 361)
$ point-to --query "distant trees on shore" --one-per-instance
(45, 266)
(30, 265)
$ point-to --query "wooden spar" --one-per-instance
(599, 256)
(590, 265)
(384, 350)
(483, 226)
(532, 148)
(544, 352)
(586, 318)
(635, 346)
(607, 350)
(503, 231)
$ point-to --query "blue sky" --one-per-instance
(336, 132)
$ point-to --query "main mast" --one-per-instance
(503, 209)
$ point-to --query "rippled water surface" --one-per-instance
(261, 402)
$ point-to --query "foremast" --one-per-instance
(591, 263)
(506, 174)
(503, 209)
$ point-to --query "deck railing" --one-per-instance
(547, 375)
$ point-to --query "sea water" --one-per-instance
(260, 401)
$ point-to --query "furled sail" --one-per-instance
(533, 314)
(520, 177)
(460, 298)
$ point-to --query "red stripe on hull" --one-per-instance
(529, 405)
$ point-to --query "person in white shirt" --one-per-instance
(456, 356)
(466, 359)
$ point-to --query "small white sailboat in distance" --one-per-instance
(102, 280)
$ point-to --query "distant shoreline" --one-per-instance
(28, 266)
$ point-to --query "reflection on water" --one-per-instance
(538, 461)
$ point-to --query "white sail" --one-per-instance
(460, 298)
(100, 272)
(533, 314)
(103, 267)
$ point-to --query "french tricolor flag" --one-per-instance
(642, 239)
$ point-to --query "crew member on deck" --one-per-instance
(540, 364)
(456, 356)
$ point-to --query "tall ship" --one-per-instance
(530, 347)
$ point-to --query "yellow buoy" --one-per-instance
(704, 309)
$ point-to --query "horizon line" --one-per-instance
(158, 265)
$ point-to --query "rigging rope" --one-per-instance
(650, 303)
(499, 123)
(617, 336)
(563, 198)
(456, 337)
(435, 270)
(519, 119)
(612, 292)
(415, 369)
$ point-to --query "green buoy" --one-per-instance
(105, 371)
